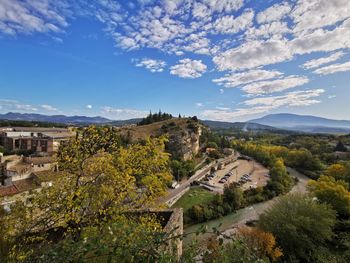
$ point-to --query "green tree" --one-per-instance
(212, 145)
(233, 196)
(280, 181)
(300, 224)
(340, 147)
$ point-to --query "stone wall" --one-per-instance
(174, 226)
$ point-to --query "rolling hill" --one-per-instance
(72, 120)
(304, 123)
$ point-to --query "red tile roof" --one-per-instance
(8, 190)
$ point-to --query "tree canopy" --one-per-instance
(155, 117)
(93, 201)
(300, 224)
(330, 191)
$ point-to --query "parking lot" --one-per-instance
(248, 174)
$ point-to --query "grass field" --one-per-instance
(194, 196)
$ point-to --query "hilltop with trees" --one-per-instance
(155, 117)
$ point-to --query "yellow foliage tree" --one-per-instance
(338, 171)
(91, 203)
(330, 191)
(264, 243)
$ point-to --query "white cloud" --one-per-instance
(273, 13)
(253, 54)
(89, 106)
(199, 104)
(14, 105)
(226, 6)
(277, 85)
(153, 65)
(322, 40)
(47, 107)
(17, 106)
(121, 114)
(223, 108)
(227, 115)
(33, 16)
(222, 91)
(264, 105)
(276, 29)
(315, 63)
(334, 68)
(188, 68)
(295, 98)
(312, 14)
(196, 43)
(232, 25)
(236, 79)
(200, 10)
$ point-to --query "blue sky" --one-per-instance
(226, 60)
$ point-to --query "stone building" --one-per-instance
(36, 140)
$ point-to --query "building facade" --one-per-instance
(35, 141)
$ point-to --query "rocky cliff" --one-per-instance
(183, 135)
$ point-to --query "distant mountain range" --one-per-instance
(273, 122)
(304, 123)
(13, 116)
(245, 126)
(73, 120)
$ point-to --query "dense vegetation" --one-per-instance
(313, 227)
(106, 178)
(78, 218)
(155, 117)
(301, 159)
(302, 227)
(182, 169)
(10, 123)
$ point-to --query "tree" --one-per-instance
(338, 171)
(264, 243)
(233, 196)
(156, 117)
(234, 251)
(332, 192)
(212, 145)
(300, 224)
(280, 181)
(92, 203)
(182, 169)
(340, 147)
(303, 160)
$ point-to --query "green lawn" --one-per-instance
(196, 195)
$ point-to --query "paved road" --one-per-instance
(184, 184)
(229, 223)
(253, 212)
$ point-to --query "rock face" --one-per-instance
(185, 143)
(183, 135)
